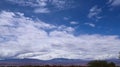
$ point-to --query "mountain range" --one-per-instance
(57, 61)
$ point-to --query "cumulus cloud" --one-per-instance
(43, 6)
(23, 37)
(94, 13)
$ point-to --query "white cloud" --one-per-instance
(94, 13)
(115, 2)
(43, 6)
(64, 28)
(30, 3)
(61, 4)
(42, 10)
(110, 1)
(90, 24)
(66, 18)
(31, 40)
(73, 22)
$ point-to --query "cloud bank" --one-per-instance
(22, 37)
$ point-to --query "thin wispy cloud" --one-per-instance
(90, 24)
(42, 10)
(43, 6)
(94, 13)
(74, 22)
(66, 18)
(114, 2)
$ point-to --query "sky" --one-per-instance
(48, 29)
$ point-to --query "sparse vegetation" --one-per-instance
(101, 63)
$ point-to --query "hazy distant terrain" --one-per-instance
(58, 61)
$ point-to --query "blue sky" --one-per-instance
(47, 29)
